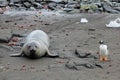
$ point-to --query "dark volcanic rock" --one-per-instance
(79, 64)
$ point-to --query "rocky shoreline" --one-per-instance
(65, 6)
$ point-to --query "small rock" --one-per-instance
(5, 35)
(20, 33)
(91, 29)
(27, 4)
(67, 10)
(87, 65)
(7, 21)
(82, 55)
(79, 64)
(98, 65)
(109, 9)
(37, 5)
(71, 65)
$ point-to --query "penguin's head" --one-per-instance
(101, 42)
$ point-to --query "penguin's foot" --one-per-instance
(103, 58)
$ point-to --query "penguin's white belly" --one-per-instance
(103, 50)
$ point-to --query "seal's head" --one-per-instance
(32, 48)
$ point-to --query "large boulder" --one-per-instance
(93, 7)
(109, 9)
(27, 4)
(15, 1)
(3, 3)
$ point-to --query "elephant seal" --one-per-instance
(36, 45)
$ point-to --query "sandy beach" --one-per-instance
(66, 35)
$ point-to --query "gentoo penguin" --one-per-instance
(103, 51)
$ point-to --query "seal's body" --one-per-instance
(36, 45)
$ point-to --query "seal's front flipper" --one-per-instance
(52, 54)
(17, 55)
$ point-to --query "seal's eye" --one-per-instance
(29, 47)
(35, 46)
